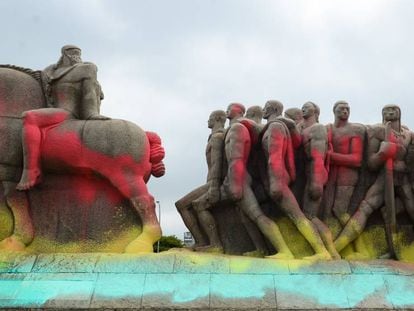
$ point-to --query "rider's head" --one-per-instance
(71, 54)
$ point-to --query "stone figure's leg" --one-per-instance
(343, 196)
(354, 227)
(326, 236)
(254, 235)
(290, 206)
(407, 197)
(144, 204)
(268, 227)
(33, 122)
(207, 222)
(189, 216)
(23, 230)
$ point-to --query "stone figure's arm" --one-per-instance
(379, 150)
(215, 170)
(318, 151)
(276, 162)
(295, 135)
(237, 151)
(352, 159)
(91, 95)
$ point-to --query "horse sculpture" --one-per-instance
(117, 150)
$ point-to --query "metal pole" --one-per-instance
(159, 220)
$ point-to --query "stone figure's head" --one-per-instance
(255, 113)
(310, 109)
(272, 107)
(294, 114)
(217, 117)
(235, 110)
(71, 54)
(341, 110)
(391, 113)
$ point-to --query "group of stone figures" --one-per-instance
(309, 172)
(50, 122)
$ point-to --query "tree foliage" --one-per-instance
(167, 242)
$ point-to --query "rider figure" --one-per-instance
(72, 91)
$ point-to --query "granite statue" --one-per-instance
(52, 124)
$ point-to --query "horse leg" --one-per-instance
(23, 230)
(151, 231)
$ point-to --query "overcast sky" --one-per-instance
(166, 65)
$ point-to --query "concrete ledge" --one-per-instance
(185, 280)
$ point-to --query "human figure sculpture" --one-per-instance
(345, 154)
(387, 150)
(72, 92)
(315, 146)
(237, 183)
(278, 150)
(255, 114)
(294, 114)
(206, 192)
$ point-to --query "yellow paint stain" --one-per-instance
(115, 245)
(6, 222)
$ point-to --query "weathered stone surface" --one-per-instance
(201, 263)
(366, 291)
(310, 291)
(176, 291)
(65, 263)
(245, 291)
(400, 291)
(121, 290)
(372, 266)
(15, 262)
(249, 265)
(136, 263)
(319, 267)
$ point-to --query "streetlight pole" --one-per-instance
(159, 220)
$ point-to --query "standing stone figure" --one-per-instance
(388, 143)
(72, 92)
(315, 144)
(209, 192)
(278, 150)
(294, 114)
(237, 183)
(345, 154)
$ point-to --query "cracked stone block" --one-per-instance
(13, 262)
(54, 294)
(310, 291)
(372, 267)
(176, 291)
(319, 267)
(242, 291)
(201, 263)
(246, 265)
(400, 290)
(136, 263)
(66, 262)
(366, 291)
(116, 290)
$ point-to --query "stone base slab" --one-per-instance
(187, 280)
